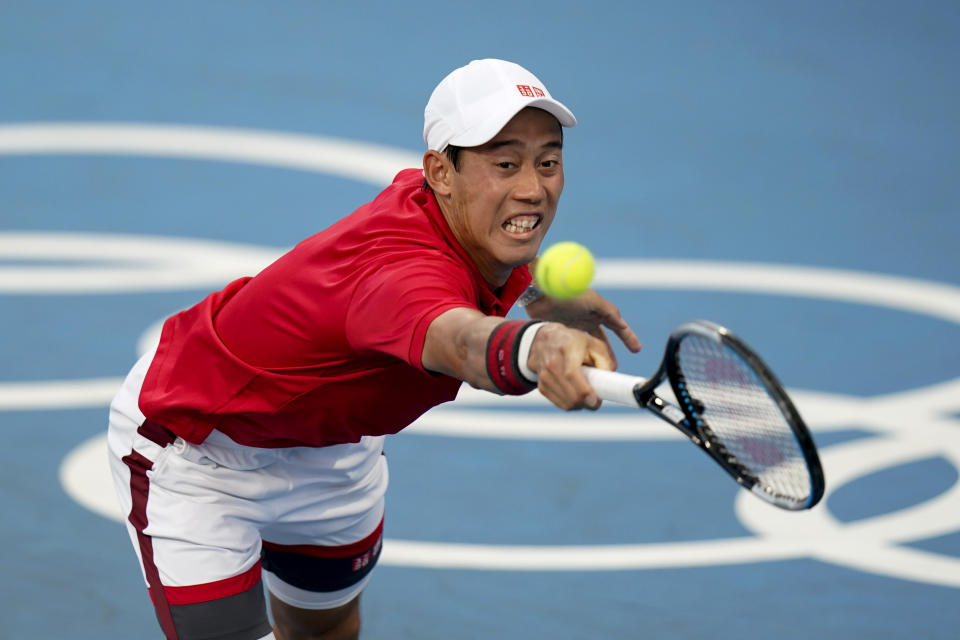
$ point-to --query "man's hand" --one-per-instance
(589, 312)
(556, 355)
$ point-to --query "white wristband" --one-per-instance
(523, 351)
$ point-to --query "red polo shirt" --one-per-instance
(324, 345)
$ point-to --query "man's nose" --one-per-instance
(529, 185)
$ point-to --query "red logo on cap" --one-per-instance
(530, 92)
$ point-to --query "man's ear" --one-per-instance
(438, 172)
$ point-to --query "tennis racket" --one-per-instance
(731, 406)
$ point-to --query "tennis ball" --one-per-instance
(565, 270)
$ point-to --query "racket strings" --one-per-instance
(741, 419)
(717, 447)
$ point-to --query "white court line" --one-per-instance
(371, 163)
(939, 300)
(438, 555)
(457, 419)
(58, 394)
(123, 263)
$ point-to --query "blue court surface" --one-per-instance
(788, 169)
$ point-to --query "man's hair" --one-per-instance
(453, 154)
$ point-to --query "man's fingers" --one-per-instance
(562, 382)
(569, 396)
(609, 316)
(587, 312)
(599, 354)
(619, 326)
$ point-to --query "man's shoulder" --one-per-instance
(406, 184)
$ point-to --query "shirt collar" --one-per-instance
(497, 301)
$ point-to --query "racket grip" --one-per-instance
(613, 386)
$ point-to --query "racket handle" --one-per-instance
(613, 385)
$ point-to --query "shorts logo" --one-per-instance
(363, 561)
(530, 92)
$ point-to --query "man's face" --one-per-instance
(504, 196)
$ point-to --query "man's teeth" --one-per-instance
(521, 225)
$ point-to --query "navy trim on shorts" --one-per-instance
(323, 569)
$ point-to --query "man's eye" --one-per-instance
(505, 165)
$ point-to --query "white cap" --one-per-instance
(472, 104)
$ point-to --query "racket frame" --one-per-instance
(617, 387)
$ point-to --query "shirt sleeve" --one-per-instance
(393, 306)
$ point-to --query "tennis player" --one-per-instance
(247, 449)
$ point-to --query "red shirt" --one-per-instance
(324, 345)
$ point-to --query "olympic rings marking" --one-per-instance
(870, 545)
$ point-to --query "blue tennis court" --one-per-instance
(786, 169)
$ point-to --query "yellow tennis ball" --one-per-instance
(565, 270)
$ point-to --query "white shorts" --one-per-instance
(206, 520)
